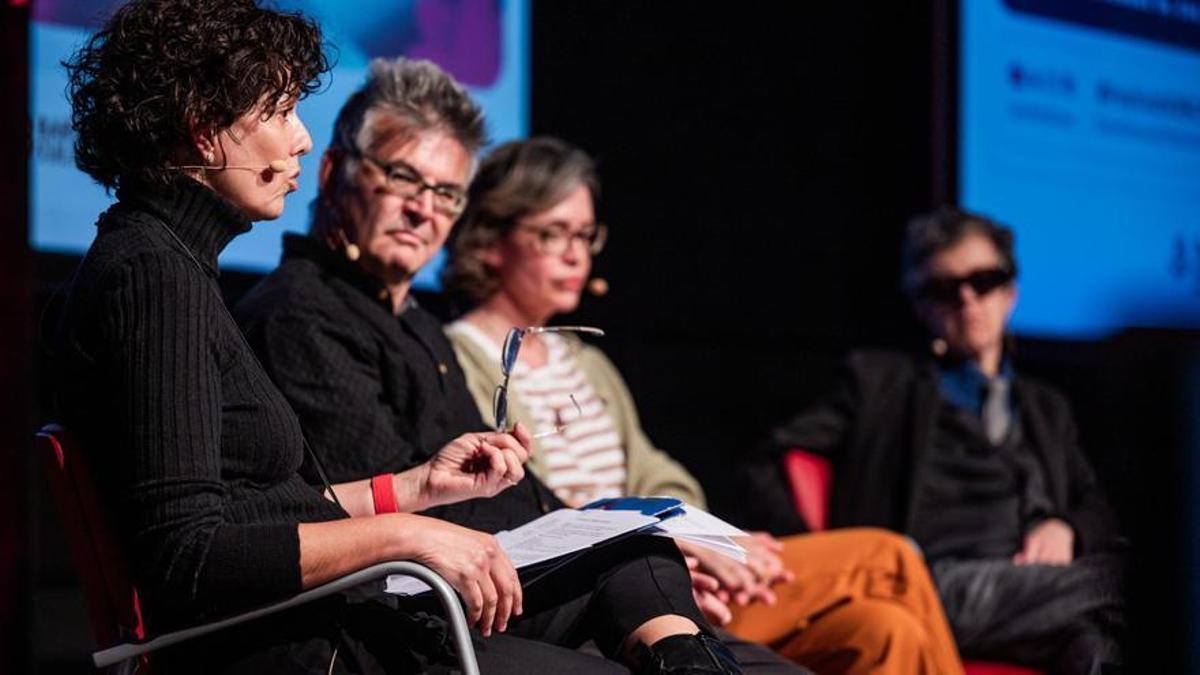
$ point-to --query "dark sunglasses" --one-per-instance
(946, 290)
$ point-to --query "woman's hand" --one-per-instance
(707, 592)
(476, 465)
(742, 583)
(762, 556)
(474, 564)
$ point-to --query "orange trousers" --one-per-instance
(862, 602)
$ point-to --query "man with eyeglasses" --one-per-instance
(376, 386)
(978, 464)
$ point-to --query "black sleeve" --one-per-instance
(331, 376)
(820, 428)
(157, 325)
(770, 507)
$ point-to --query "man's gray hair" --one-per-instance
(400, 97)
(417, 94)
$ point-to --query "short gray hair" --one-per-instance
(416, 96)
(419, 94)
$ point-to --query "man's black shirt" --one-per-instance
(375, 392)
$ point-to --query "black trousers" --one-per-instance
(1066, 619)
(598, 597)
(604, 595)
(357, 636)
(615, 589)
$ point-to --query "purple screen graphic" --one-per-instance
(462, 36)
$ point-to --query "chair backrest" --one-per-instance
(104, 578)
(811, 478)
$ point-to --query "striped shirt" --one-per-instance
(586, 461)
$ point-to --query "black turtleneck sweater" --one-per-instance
(194, 450)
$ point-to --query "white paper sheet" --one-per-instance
(704, 529)
(566, 531)
(697, 521)
(554, 534)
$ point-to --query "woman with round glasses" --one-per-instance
(852, 601)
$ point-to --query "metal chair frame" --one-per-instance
(69, 495)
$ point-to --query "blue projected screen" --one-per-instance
(1079, 126)
(482, 43)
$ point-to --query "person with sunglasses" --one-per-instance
(522, 254)
(979, 464)
(377, 389)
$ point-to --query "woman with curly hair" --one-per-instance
(187, 109)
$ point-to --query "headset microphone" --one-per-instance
(598, 286)
(274, 166)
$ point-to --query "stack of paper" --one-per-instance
(704, 529)
(554, 535)
(567, 531)
(558, 534)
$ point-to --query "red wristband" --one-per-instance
(383, 491)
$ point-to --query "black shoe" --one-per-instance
(687, 654)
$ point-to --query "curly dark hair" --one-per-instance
(160, 68)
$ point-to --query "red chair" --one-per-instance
(112, 598)
(810, 477)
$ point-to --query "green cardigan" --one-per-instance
(649, 471)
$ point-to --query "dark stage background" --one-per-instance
(758, 163)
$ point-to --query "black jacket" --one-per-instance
(877, 426)
(375, 392)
